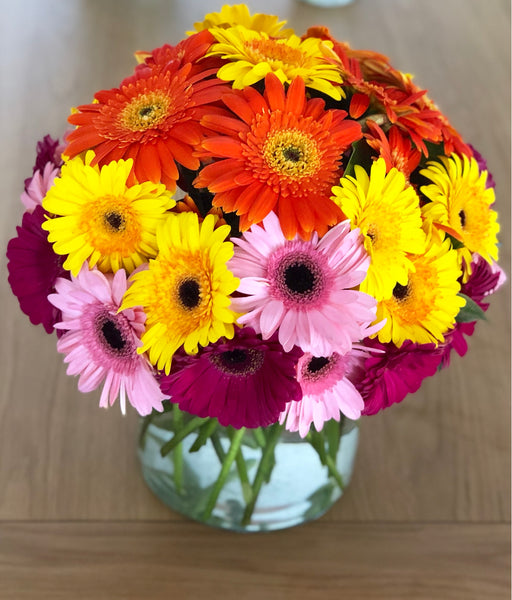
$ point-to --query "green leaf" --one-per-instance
(361, 155)
(470, 312)
(205, 432)
(180, 435)
(456, 244)
(434, 152)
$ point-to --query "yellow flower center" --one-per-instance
(145, 111)
(111, 224)
(292, 153)
(263, 50)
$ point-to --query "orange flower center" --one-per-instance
(112, 225)
(273, 50)
(412, 303)
(292, 153)
(145, 111)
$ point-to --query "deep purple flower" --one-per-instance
(482, 165)
(386, 378)
(33, 269)
(484, 280)
(243, 382)
(49, 151)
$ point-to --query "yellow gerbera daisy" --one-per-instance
(229, 16)
(185, 291)
(388, 214)
(424, 308)
(460, 204)
(254, 54)
(100, 219)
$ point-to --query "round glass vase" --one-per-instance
(245, 479)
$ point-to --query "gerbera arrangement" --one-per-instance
(260, 230)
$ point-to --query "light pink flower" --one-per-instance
(40, 183)
(101, 343)
(303, 289)
(326, 393)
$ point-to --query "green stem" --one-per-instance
(241, 467)
(259, 436)
(217, 446)
(177, 455)
(180, 435)
(264, 468)
(224, 472)
(331, 466)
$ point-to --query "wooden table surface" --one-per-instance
(428, 512)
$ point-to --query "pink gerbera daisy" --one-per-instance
(303, 289)
(33, 269)
(37, 186)
(327, 392)
(101, 342)
(243, 382)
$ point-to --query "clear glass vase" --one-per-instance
(245, 480)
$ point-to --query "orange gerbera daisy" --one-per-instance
(282, 153)
(153, 118)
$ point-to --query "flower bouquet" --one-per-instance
(255, 239)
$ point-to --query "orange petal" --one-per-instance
(274, 92)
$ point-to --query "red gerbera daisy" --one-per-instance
(396, 149)
(152, 118)
(189, 50)
(279, 152)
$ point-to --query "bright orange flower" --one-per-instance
(153, 118)
(396, 149)
(277, 152)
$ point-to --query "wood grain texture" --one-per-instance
(127, 561)
(441, 456)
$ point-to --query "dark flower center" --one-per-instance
(146, 111)
(299, 278)
(400, 291)
(462, 217)
(317, 368)
(189, 293)
(113, 335)
(239, 361)
(317, 363)
(115, 220)
(292, 153)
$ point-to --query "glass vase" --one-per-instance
(247, 479)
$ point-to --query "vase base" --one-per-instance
(302, 489)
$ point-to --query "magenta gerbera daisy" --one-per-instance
(243, 382)
(101, 342)
(388, 375)
(327, 393)
(485, 279)
(33, 269)
(303, 289)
